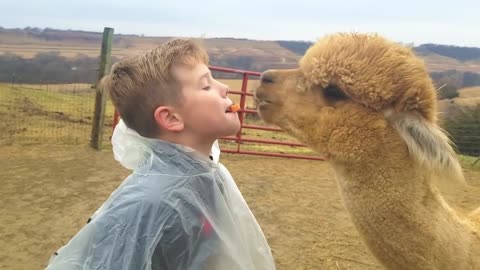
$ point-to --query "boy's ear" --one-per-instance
(168, 119)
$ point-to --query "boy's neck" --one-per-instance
(204, 147)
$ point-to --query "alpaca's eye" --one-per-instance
(334, 93)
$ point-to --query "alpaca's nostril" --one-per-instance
(267, 77)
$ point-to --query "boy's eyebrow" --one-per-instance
(207, 74)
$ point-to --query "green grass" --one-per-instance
(32, 114)
(76, 105)
(468, 162)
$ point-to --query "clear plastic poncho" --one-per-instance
(177, 210)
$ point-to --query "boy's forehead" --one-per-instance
(190, 74)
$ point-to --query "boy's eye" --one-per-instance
(206, 87)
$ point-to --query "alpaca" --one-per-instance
(368, 105)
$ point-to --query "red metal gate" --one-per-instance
(238, 138)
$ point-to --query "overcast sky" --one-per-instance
(420, 21)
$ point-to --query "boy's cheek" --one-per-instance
(237, 126)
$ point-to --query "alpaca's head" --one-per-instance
(348, 92)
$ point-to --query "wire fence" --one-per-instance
(463, 125)
(54, 113)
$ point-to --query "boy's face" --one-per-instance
(204, 104)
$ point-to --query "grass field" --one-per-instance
(35, 113)
(29, 51)
(469, 92)
(467, 97)
(72, 43)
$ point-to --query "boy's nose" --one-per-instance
(224, 90)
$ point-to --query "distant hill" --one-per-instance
(455, 52)
(78, 46)
(298, 47)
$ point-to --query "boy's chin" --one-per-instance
(232, 131)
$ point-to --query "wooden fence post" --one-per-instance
(101, 97)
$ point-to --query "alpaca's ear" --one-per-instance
(428, 145)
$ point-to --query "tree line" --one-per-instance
(51, 67)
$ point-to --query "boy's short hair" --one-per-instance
(138, 85)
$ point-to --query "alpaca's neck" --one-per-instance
(404, 221)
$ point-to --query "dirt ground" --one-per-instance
(48, 193)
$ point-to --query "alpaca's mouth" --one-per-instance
(261, 103)
(261, 99)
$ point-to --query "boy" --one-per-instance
(178, 209)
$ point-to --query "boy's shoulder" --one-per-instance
(161, 194)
